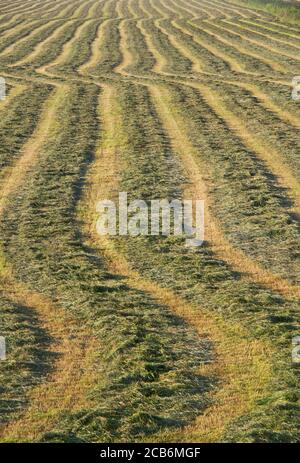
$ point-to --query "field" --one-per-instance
(141, 339)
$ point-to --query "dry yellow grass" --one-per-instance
(160, 60)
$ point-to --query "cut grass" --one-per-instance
(150, 357)
(176, 345)
(235, 384)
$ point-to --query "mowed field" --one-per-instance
(141, 339)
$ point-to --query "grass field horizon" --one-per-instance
(141, 338)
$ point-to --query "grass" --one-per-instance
(139, 366)
(142, 339)
(165, 260)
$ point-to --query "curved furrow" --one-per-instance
(7, 12)
(125, 50)
(244, 54)
(209, 11)
(264, 238)
(79, 51)
(30, 323)
(265, 27)
(153, 10)
(26, 8)
(67, 49)
(25, 105)
(63, 368)
(268, 126)
(109, 9)
(233, 9)
(216, 11)
(257, 273)
(162, 9)
(146, 10)
(28, 356)
(222, 59)
(92, 12)
(37, 9)
(135, 8)
(66, 12)
(178, 7)
(280, 25)
(267, 35)
(18, 33)
(259, 14)
(287, 116)
(64, 341)
(8, 18)
(124, 11)
(207, 58)
(49, 11)
(17, 5)
(168, 59)
(161, 61)
(86, 11)
(30, 36)
(105, 54)
(290, 53)
(136, 58)
(10, 25)
(52, 47)
(24, 47)
(273, 159)
(96, 49)
(170, 10)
